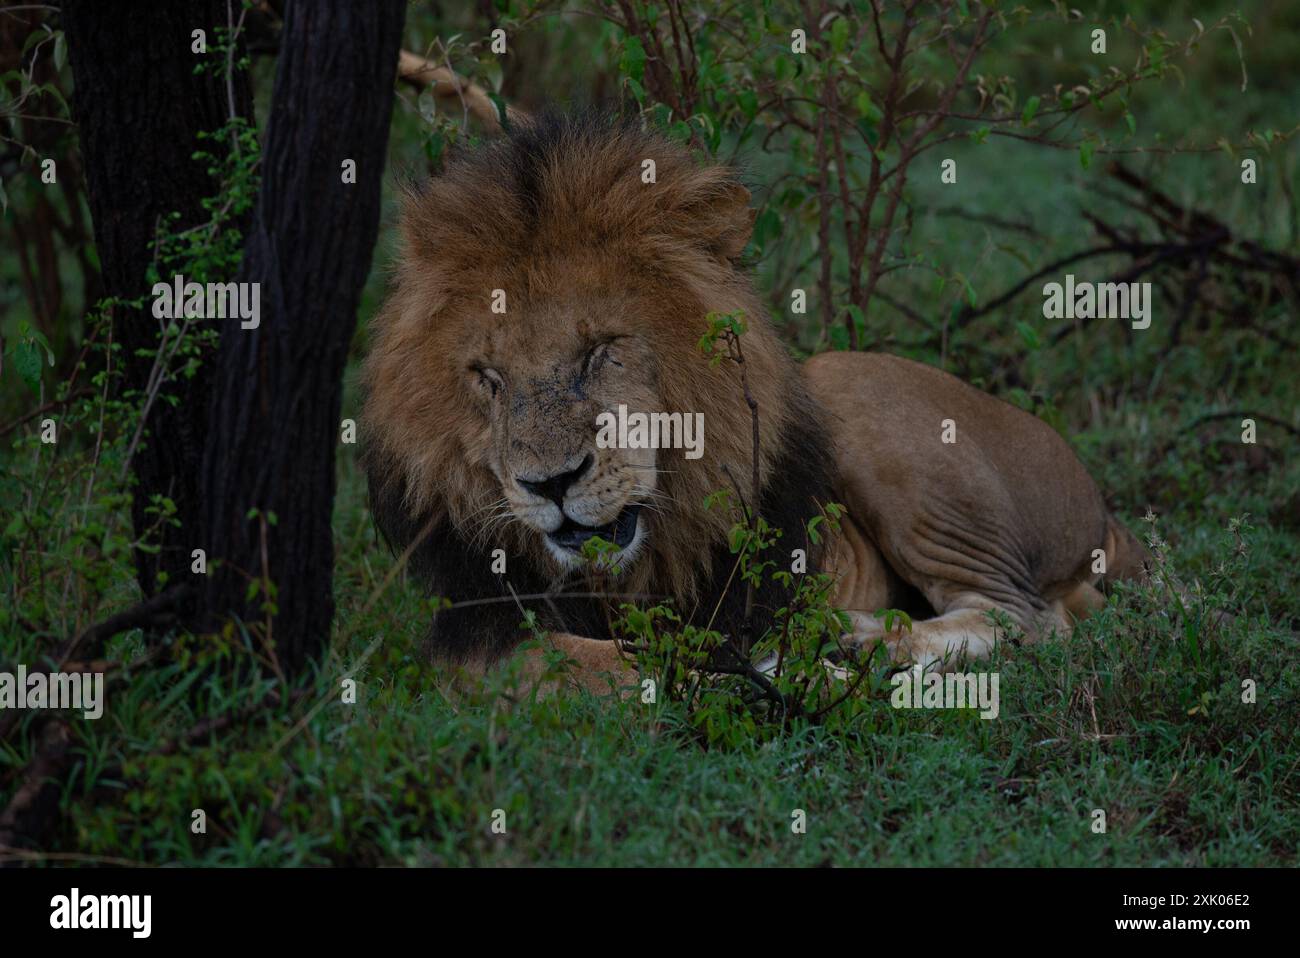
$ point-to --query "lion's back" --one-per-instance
(1004, 481)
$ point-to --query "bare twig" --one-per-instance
(1241, 414)
(443, 83)
(155, 612)
(47, 407)
(35, 803)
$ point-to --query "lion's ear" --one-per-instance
(723, 220)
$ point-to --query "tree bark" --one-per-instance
(273, 421)
(139, 108)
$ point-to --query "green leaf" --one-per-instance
(503, 116)
(434, 146)
(27, 361)
(737, 538)
(1085, 153)
(1029, 335)
(1131, 121)
(747, 100)
(867, 107)
(632, 62)
(51, 90)
(15, 526)
(1031, 107)
(427, 105)
(33, 38)
(840, 34)
(39, 338)
(495, 74)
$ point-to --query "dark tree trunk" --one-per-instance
(274, 418)
(139, 107)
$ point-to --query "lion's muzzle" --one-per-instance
(572, 535)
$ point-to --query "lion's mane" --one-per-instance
(565, 182)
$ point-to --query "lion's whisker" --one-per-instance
(648, 494)
(491, 523)
(494, 504)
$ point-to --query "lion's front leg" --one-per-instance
(862, 584)
(962, 633)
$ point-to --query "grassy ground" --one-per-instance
(1139, 714)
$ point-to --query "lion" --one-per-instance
(566, 270)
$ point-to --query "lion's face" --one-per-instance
(539, 378)
(482, 425)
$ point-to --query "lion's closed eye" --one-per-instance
(488, 380)
(599, 356)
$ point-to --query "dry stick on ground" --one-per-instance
(220, 723)
(1241, 414)
(989, 219)
(38, 795)
(1156, 255)
(1173, 218)
(159, 611)
(443, 83)
(34, 804)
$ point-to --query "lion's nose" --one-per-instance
(554, 487)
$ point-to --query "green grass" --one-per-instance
(1133, 714)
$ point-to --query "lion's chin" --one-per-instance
(568, 555)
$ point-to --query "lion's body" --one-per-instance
(1002, 515)
(480, 421)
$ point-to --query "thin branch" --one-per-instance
(443, 83)
(1241, 414)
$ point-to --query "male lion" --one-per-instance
(566, 270)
